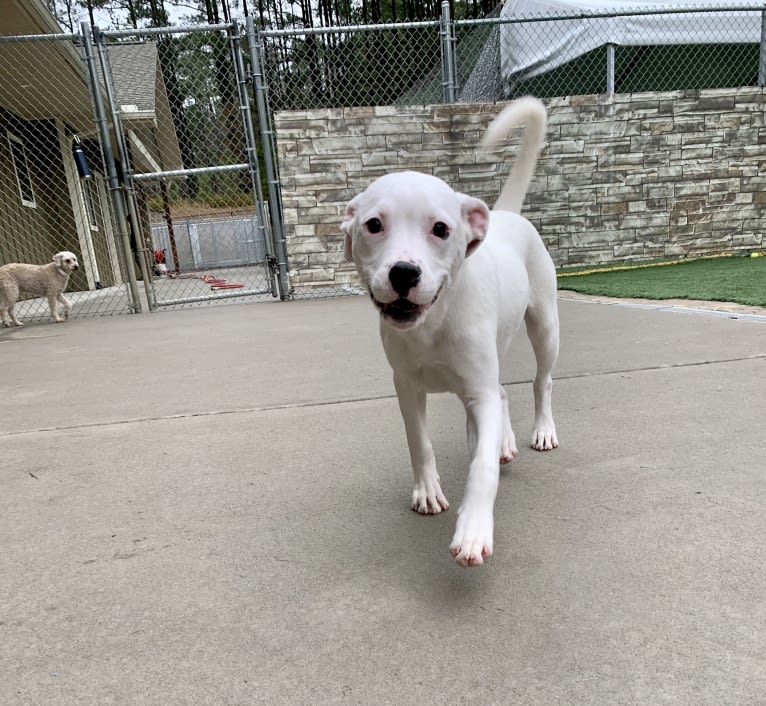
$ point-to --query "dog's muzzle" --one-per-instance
(403, 313)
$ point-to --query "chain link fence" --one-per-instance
(140, 152)
(524, 47)
(54, 194)
(150, 153)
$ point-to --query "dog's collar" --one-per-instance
(61, 272)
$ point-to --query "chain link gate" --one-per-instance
(189, 161)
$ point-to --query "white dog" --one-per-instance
(38, 280)
(453, 282)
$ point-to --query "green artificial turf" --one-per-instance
(729, 279)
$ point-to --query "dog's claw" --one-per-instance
(471, 555)
(429, 505)
(507, 455)
(508, 450)
(544, 437)
(472, 543)
(542, 441)
(428, 499)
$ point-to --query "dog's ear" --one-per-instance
(476, 216)
(57, 258)
(348, 225)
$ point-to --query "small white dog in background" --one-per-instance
(38, 281)
(452, 282)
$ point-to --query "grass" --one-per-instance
(727, 279)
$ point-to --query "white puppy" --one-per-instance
(453, 282)
(38, 280)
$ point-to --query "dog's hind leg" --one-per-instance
(427, 495)
(9, 294)
(508, 448)
(67, 305)
(543, 331)
(12, 314)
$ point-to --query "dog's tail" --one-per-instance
(529, 112)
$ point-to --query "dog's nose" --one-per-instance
(75, 267)
(403, 277)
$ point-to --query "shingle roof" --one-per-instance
(134, 70)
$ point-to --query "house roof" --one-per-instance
(43, 78)
(139, 91)
(134, 67)
(47, 78)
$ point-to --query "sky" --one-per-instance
(104, 22)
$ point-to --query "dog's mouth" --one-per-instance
(403, 313)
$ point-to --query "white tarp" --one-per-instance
(528, 49)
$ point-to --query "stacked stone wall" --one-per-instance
(632, 177)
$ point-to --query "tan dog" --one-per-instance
(38, 280)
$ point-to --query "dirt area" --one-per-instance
(730, 307)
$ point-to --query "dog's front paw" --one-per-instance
(427, 497)
(59, 320)
(544, 436)
(472, 542)
(508, 450)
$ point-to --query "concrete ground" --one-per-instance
(210, 506)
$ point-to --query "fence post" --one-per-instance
(252, 147)
(762, 52)
(447, 53)
(610, 50)
(109, 164)
(127, 168)
(255, 46)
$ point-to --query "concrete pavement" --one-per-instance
(210, 506)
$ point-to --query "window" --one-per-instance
(20, 164)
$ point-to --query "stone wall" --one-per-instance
(632, 177)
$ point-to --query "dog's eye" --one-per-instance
(440, 230)
(374, 225)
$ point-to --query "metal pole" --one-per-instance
(191, 171)
(109, 164)
(169, 223)
(453, 52)
(267, 141)
(762, 52)
(252, 147)
(448, 64)
(127, 169)
(610, 69)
